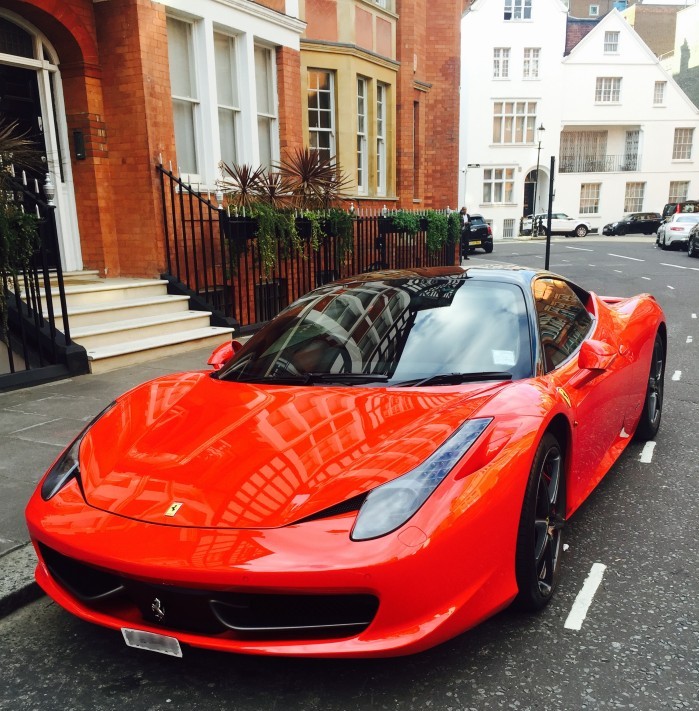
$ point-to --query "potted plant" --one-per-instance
(19, 237)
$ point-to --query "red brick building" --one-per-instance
(109, 87)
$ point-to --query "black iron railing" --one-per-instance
(36, 345)
(215, 258)
(600, 164)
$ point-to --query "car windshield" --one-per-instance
(396, 331)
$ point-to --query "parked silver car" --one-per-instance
(674, 232)
(561, 224)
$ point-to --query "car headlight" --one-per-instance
(67, 466)
(390, 505)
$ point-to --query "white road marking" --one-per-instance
(581, 249)
(677, 375)
(670, 287)
(621, 256)
(618, 271)
(591, 265)
(694, 315)
(689, 339)
(647, 452)
(584, 599)
(646, 278)
(679, 266)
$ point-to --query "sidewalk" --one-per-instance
(35, 425)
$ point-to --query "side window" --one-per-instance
(562, 318)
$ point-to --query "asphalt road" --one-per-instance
(637, 646)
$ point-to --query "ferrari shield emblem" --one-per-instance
(175, 506)
(564, 395)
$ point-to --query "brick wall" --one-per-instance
(289, 93)
(428, 42)
(136, 87)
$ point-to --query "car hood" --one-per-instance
(190, 450)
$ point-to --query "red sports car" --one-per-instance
(384, 465)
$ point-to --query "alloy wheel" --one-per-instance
(548, 522)
(655, 384)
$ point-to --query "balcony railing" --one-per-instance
(599, 164)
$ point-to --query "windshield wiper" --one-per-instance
(312, 378)
(455, 378)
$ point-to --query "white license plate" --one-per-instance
(152, 642)
(475, 244)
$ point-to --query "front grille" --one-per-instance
(233, 614)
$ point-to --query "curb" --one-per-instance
(17, 585)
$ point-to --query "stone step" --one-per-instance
(111, 333)
(111, 312)
(107, 290)
(105, 358)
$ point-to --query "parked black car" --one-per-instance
(634, 223)
(481, 236)
(686, 206)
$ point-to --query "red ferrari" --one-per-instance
(384, 465)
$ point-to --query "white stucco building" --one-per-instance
(624, 136)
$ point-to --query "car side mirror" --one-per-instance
(223, 353)
(596, 355)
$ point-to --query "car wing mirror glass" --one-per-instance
(596, 355)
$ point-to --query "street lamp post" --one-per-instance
(539, 137)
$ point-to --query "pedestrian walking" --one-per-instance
(465, 232)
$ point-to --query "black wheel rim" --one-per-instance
(548, 521)
(655, 384)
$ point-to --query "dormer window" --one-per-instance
(518, 10)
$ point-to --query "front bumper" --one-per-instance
(398, 594)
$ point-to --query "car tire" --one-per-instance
(692, 248)
(580, 231)
(653, 404)
(661, 242)
(487, 248)
(540, 533)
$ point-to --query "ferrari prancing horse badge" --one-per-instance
(175, 506)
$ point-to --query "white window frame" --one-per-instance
(223, 74)
(501, 62)
(589, 198)
(362, 138)
(594, 11)
(517, 10)
(267, 120)
(530, 62)
(679, 189)
(514, 121)
(611, 42)
(315, 132)
(498, 185)
(633, 197)
(381, 148)
(682, 144)
(192, 102)
(608, 90)
(659, 93)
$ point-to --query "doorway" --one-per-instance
(31, 94)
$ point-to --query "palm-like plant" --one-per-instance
(275, 189)
(316, 181)
(242, 183)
